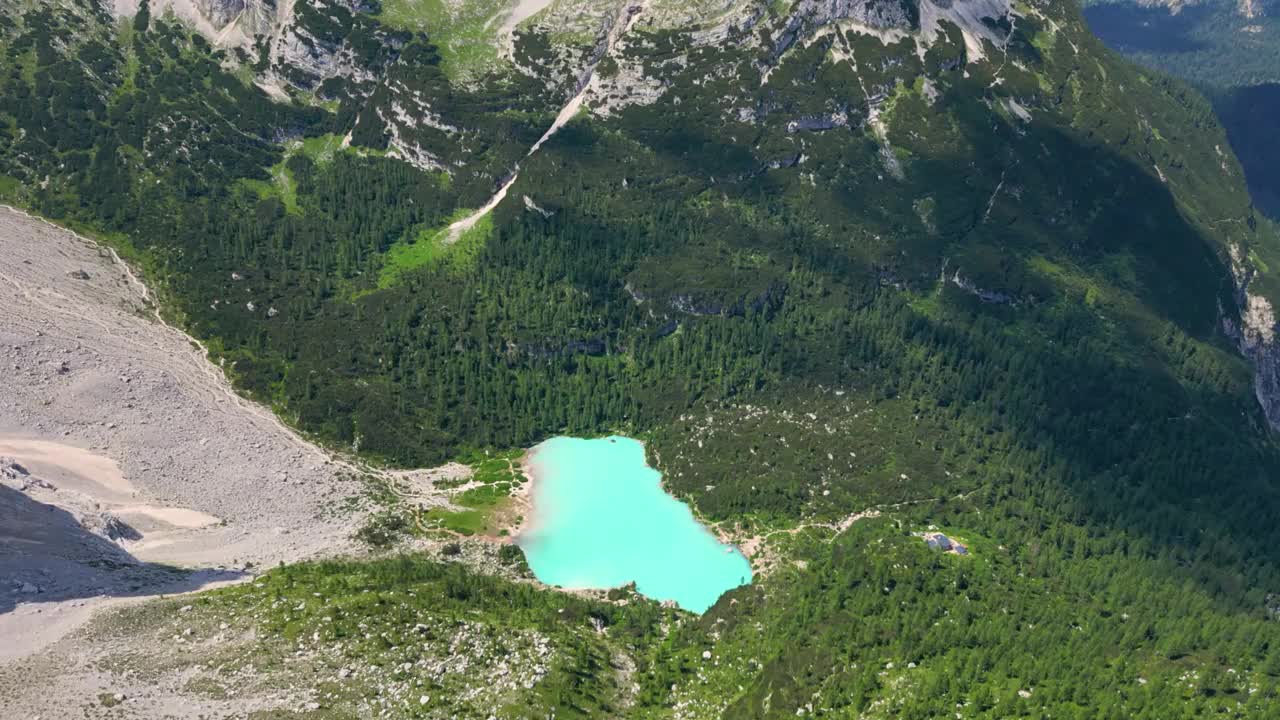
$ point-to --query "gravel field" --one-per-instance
(124, 454)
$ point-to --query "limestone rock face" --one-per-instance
(880, 14)
(1266, 362)
(1248, 9)
(227, 23)
(222, 12)
(313, 59)
(1256, 337)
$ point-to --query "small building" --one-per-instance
(938, 541)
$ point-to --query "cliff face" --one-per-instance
(901, 14)
(1258, 343)
(1255, 334)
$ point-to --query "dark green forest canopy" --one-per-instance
(1001, 316)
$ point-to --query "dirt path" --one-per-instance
(757, 547)
(623, 24)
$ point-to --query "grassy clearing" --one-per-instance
(466, 34)
(429, 247)
(321, 150)
(280, 186)
(462, 522)
(492, 468)
(488, 506)
(485, 497)
(480, 503)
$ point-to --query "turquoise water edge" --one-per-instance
(601, 520)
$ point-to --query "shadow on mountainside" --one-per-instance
(47, 555)
(1129, 28)
(1251, 116)
(1182, 44)
(1119, 381)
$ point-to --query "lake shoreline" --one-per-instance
(523, 496)
(598, 516)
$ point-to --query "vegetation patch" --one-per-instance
(462, 522)
(476, 503)
(465, 33)
(436, 247)
(406, 635)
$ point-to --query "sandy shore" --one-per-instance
(522, 496)
(124, 451)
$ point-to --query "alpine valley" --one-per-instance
(859, 274)
(1229, 50)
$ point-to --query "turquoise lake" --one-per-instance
(601, 520)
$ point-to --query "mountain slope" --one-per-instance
(1231, 51)
(951, 263)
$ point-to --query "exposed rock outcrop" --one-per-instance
(11, 469)
(1256, 337)
(110, 527)
(227, 23)
(994, 297)
(880, 14)
(818, 123)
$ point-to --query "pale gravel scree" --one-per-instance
(120, 441)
